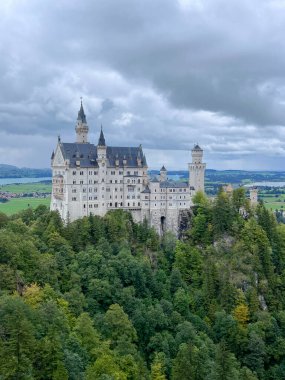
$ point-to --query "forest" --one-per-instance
(107, 299)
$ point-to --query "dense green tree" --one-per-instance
(17, 339)
(105, 298)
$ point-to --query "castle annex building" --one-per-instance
(93, 179)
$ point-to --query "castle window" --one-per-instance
(74, 182)
(113, 173)
(128, 173)
(136, 173)
(108, 189)
(95, 198)
(116, 181)
(184, 190)
(121, 181)
(139, 203)
(95, 189)
(95, 173)
(74, 190)
(155, 190)
(74, 172)
(96, 206)
(81, 182)
(110, 181)
(84, 206)
(74, 198)
(90, 198)
(121, 173)
(116, 189)
(134, 203)
(128, 204)
(139, 181)
(84, 190)
(81, 173)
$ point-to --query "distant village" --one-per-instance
(5, 196)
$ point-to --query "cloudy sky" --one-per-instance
(163, 73)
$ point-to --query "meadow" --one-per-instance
(19, 188)
(18, 204)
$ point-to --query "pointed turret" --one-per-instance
(81, 115)
(81, 126)
(101, 141)
(163, 174)
(101, 147)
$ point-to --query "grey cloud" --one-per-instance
(162, 73)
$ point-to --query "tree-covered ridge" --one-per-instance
(104, 298)
(10, 171)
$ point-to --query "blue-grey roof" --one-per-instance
(196, 147)
(81, 114)
(87, 155)
(101, 141)
(173, 184)
(146, 190)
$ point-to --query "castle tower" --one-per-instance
(163, 174)
(197, 169)
(253, 196)
(81, 127)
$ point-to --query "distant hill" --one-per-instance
(232, 176)
(218, 176)
(10, 171)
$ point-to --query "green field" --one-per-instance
(272, 201)
(26, 188)
(19, 204)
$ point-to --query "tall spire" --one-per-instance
(101, 141)
(81, 115)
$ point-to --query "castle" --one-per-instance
(93, 179)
